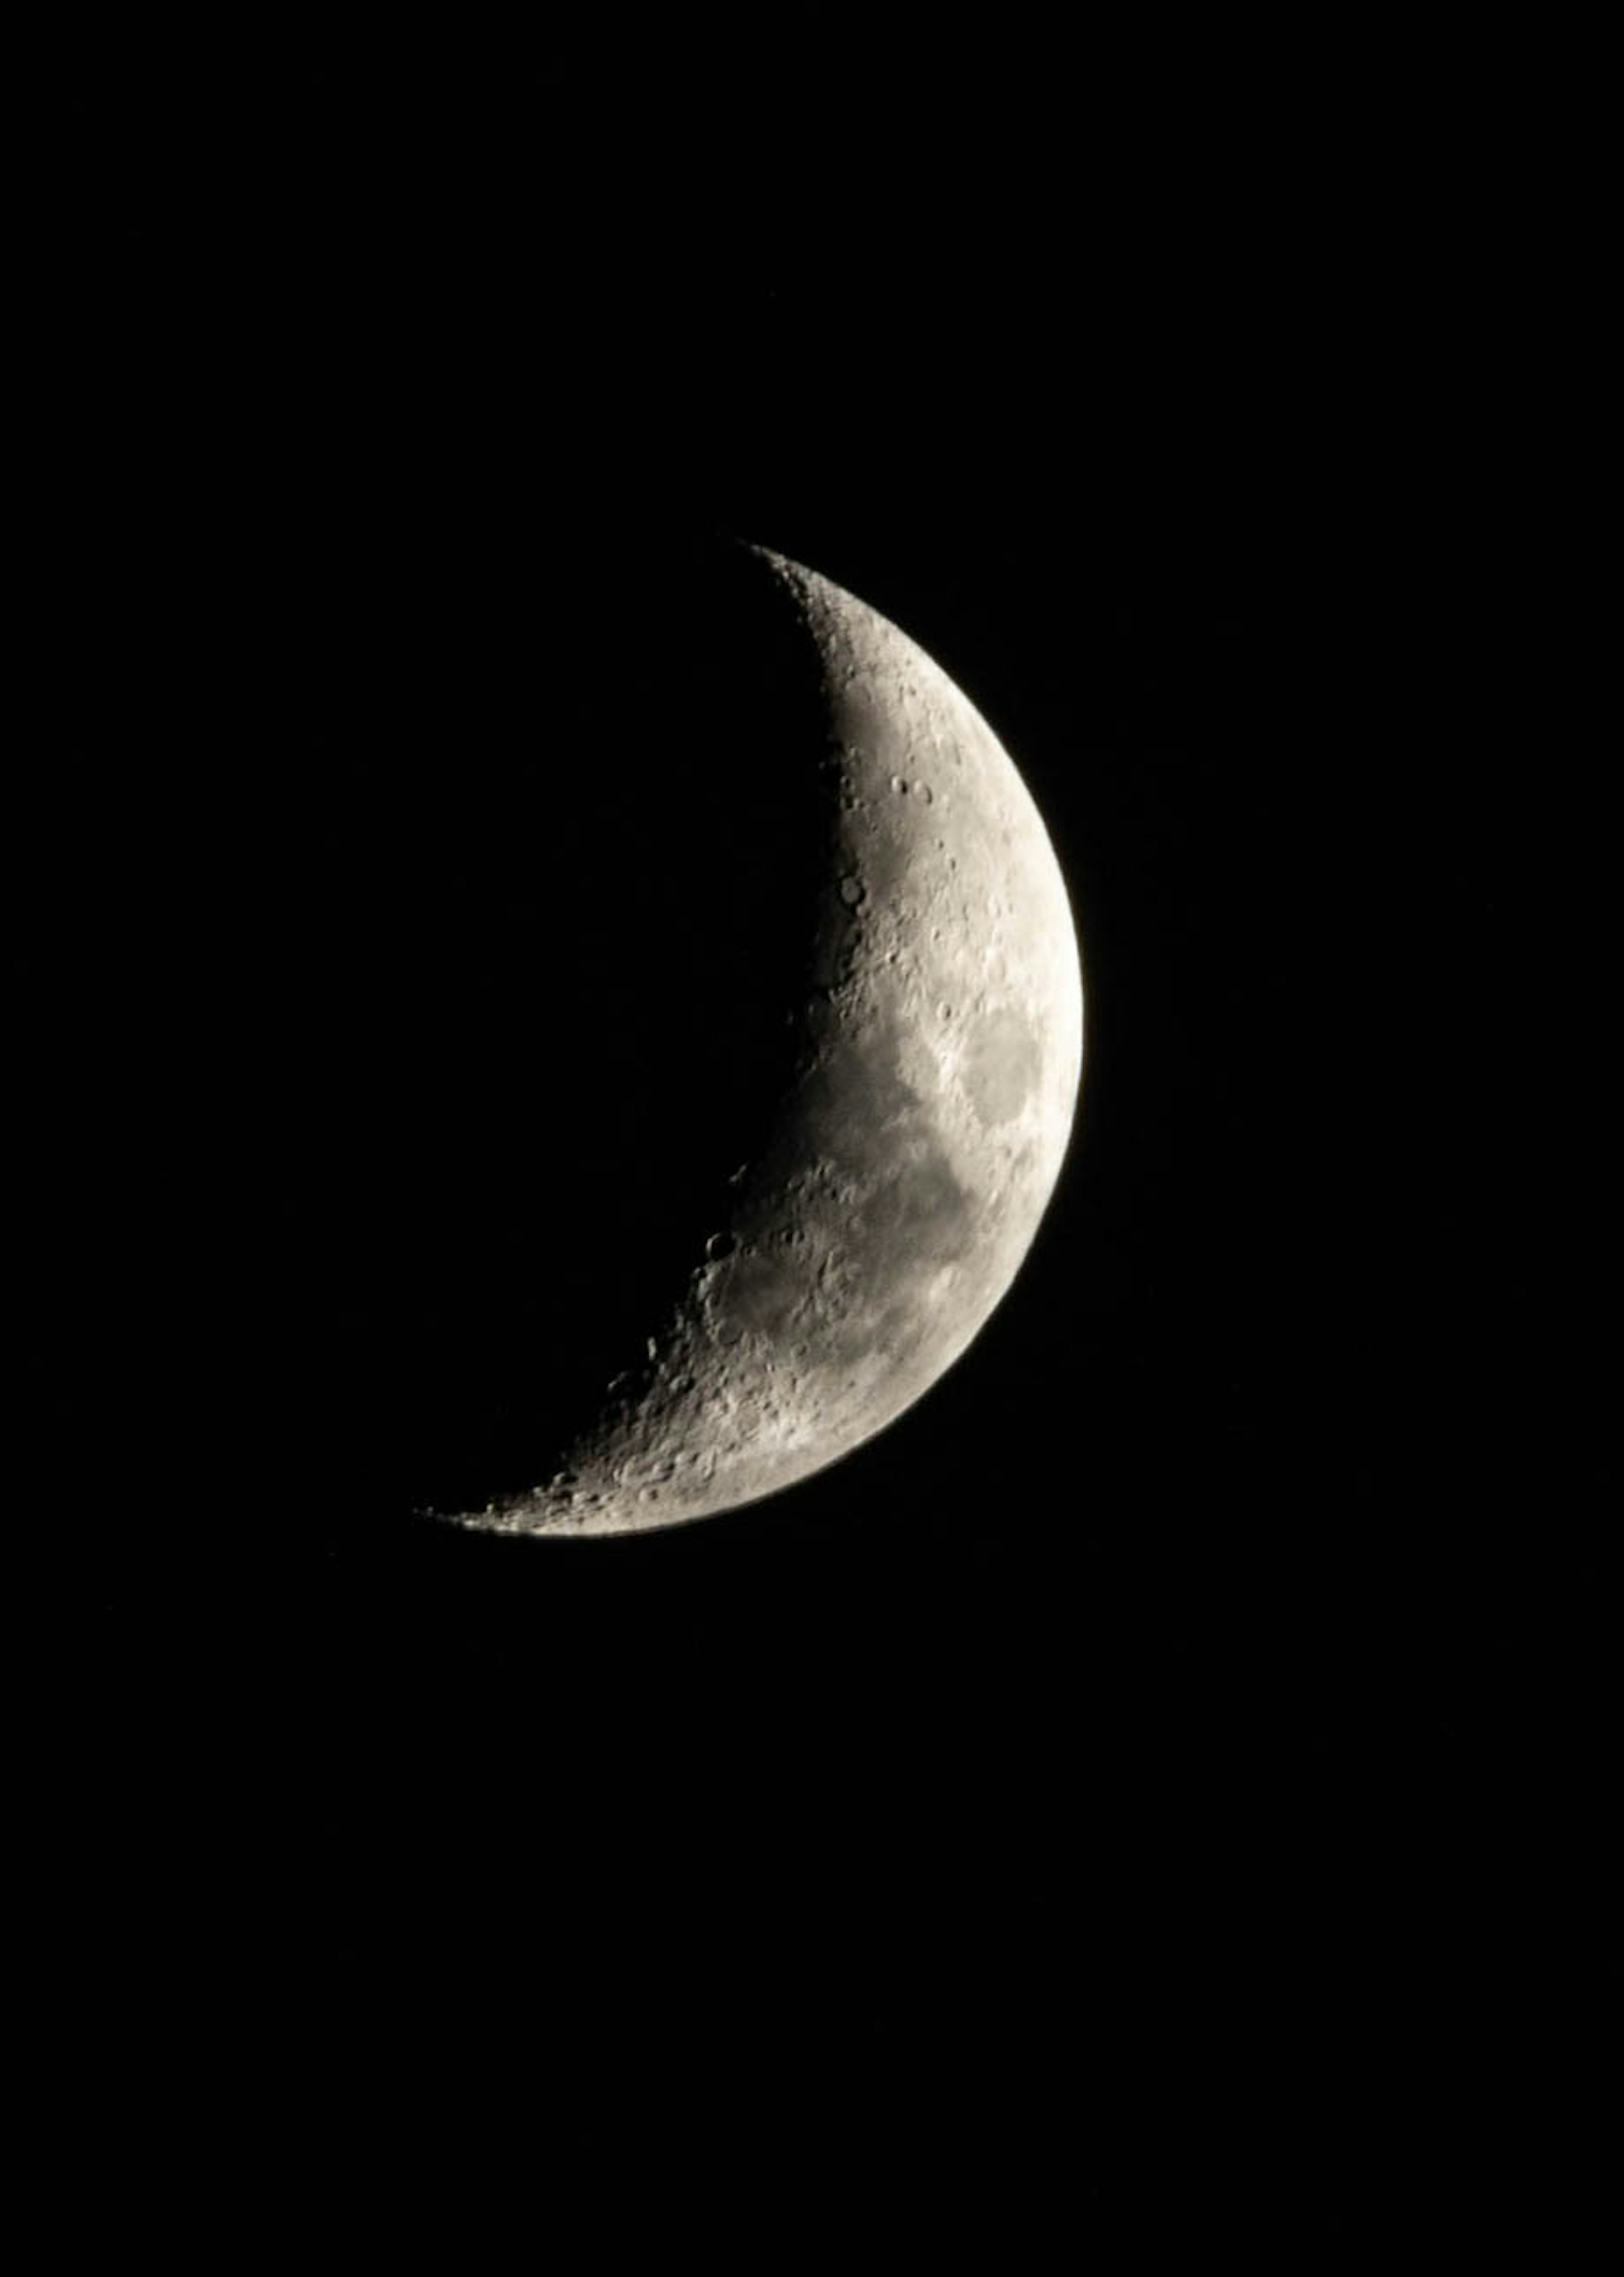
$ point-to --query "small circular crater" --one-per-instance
(719, 1246)
(899, 786)
(851, 891)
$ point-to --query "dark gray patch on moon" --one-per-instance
(1001, 1065)
(917, 1210)
(886, 854)
(758, 1293)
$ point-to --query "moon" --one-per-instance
(898, 1182)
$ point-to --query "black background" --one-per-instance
(1105, 1794)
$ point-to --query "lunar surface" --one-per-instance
(894, 1188)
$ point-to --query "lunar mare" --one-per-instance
(914, 1153)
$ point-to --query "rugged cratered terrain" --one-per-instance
(927, 1097)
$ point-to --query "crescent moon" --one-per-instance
(921, 1136)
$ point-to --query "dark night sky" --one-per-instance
(1089, 1789)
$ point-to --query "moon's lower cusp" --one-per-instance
(917, 1146)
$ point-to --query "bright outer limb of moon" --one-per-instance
(918, 1143)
